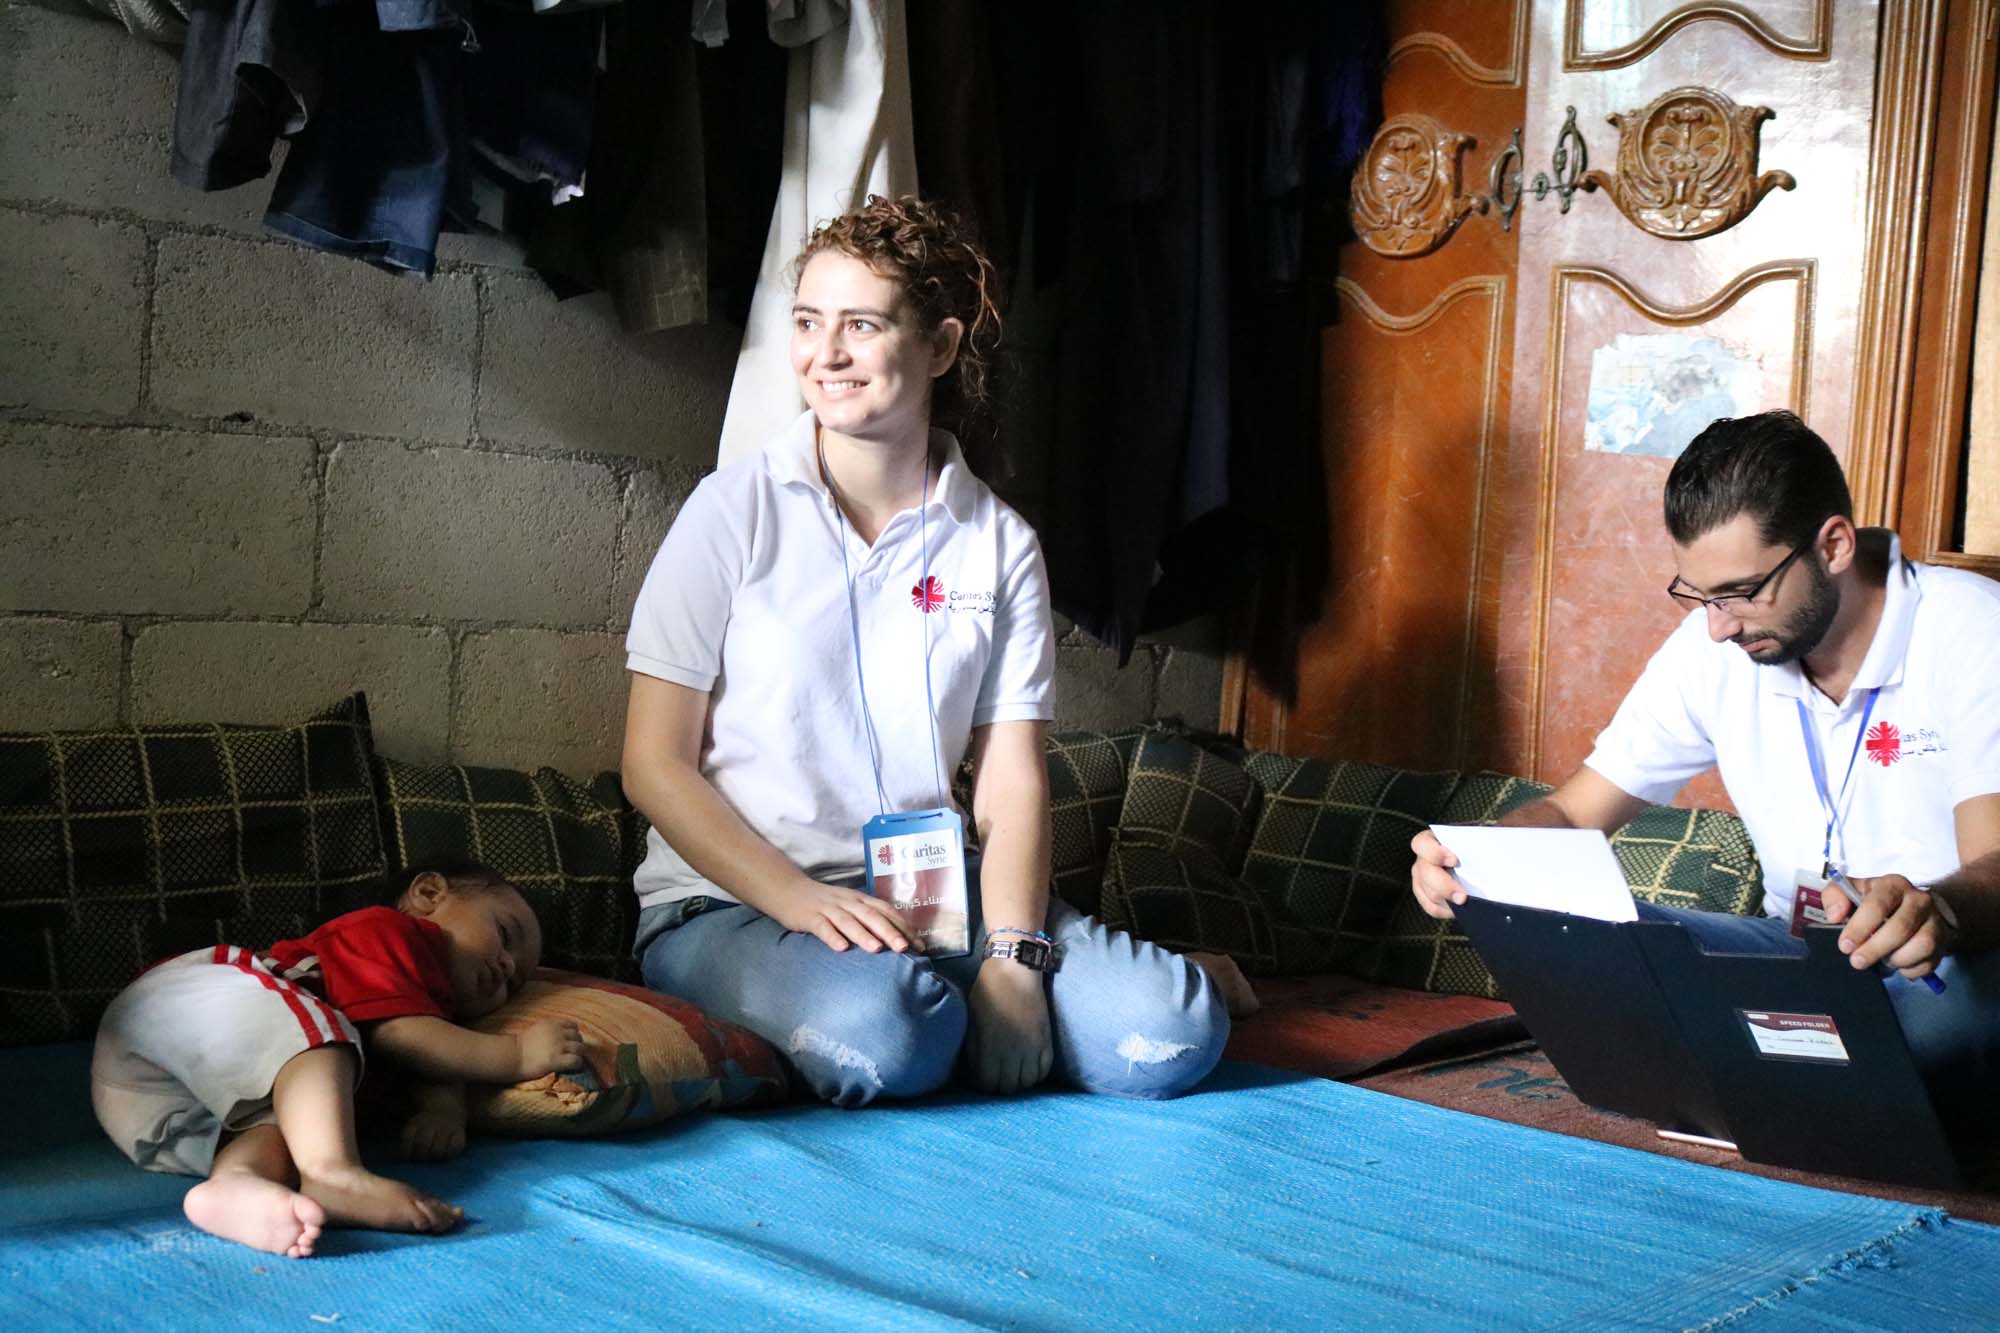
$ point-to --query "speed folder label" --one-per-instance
(1795, 1036)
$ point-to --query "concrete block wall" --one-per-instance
(239, 478)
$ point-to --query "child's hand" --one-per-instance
(433, 1136)
(552, 1046)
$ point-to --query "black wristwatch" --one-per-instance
(1033, 954)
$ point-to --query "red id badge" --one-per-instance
(916, 864)
(1808, 902)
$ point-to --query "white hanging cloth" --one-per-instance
(847, 136)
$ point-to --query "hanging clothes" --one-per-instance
(388, 160)
(372, 175)
(1162, 162)
(250, 75)
(847, 136)
(162, 21)
(955, 119)
(684, 168)
(1123, 175)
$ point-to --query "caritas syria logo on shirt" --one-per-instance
(1887, 743)
(930, 595)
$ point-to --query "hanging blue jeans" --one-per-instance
(1128, 1018)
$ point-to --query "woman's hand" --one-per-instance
(1008, 1048)
(841, 917)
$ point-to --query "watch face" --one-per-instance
(1032, 953)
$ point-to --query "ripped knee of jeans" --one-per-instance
(810, 1041)
(1136, 1049)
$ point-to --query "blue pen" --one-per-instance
(1839, 881)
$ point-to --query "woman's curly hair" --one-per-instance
(931, 255)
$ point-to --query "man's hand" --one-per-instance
(1431, 878)
(1008, 1048)
(551, 1046)
(841, 917)
(1897, 923)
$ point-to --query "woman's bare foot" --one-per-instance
(355, 1197)
(1229, 981)
(250, 1210)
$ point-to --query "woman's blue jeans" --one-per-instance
(1127, 1017)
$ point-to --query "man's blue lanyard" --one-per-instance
(1829, 803)
(923, 592)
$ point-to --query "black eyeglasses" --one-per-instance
(1730, 603)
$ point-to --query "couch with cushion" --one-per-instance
(124, 845)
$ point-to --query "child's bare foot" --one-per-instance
(356, 1197)
(253, 1211)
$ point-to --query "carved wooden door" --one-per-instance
(1699, 252)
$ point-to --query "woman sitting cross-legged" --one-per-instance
(829, 628)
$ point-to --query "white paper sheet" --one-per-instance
(1559, 869)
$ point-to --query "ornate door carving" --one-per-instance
(1687, 164)
(1408, 197)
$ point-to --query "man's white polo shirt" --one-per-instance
(1933, 738)
(747, 599)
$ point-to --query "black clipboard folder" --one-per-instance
(1798, 1060)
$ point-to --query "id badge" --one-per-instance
(916, 864)
(1808, 902)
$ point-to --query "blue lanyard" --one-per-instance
(854, 627)
(1827, 801)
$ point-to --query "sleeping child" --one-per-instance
(241, 1066)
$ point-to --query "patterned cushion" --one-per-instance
(650, 1057)
(1188, 796)
(1086, 793)
(1426, 954)
(1332, 847)
(1178, 894)
(122, 846)
(561, 843)
(1691, 858)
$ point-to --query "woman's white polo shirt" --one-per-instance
(1932, 739)
(747, 600)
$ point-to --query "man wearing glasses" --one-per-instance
(1851, 700)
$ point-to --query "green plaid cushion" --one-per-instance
(1483, 796)
(126, 845)
(1426, 954)
(1691, 858)
(1332, 848)
(1086, 793)
(1185, 795)
(561, 843)
(1176, 893)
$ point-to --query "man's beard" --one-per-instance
(1806, 627)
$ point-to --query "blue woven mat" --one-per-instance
(1263, 1201)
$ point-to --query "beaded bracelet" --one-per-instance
(1041, 935)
